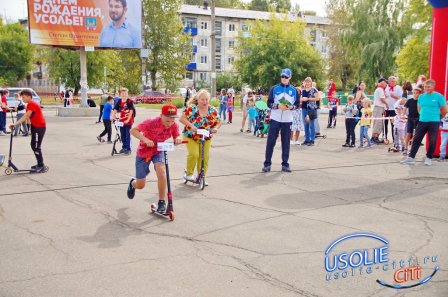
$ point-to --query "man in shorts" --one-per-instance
(151, 132)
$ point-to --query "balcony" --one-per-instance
(191, 30)
(191, 66)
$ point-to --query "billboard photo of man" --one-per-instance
(120, 33)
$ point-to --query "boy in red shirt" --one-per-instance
(126, 108)
(38, 127)
(333, 103)
(150, 132)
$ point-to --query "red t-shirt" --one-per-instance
(333, 102)
(154, 129)
(124, 113)
(5, 101)
(37, 117)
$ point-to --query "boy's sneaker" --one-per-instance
(2, 133)
(34, 167)
(110, 142)
(131, 189)
(441, 159)
(428, 161)
(311, 143)
(127, 152)
(266, 169)
(99, 139)
(161, 207)
(38, 169)
(346, 145)
(408, 160)
(361, 146)
(305, 143)
(122, 151)
(241, 130)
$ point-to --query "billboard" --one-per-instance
(98, 23)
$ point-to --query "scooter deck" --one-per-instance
(168, 213)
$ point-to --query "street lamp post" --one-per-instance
(213, 55)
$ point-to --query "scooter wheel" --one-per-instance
(171, 215)
(202, 183)
(8, 171)
(153, 207)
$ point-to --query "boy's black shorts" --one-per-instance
(411, 125)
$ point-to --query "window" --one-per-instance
(189, 75)
(231, 43)
(323, 49)
(218, 45)
(204, 42)
(190, 22)
(324, 34)
(204, 25)
(202, 75)
(218, 28)
(218, 63)
(230, 59)
(203, 59)
(245, 27)
(231, 27)
(192, 57)
(313, 35)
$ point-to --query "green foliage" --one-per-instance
(163, 36)
(225, 80)
(413, 58)
(16, 53)
(275, 45)
(366, 36)
(265, 5)
(219, 3)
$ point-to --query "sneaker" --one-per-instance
(248, 131)
(38, 169)
(352, 145)
(311, 143)
(408, 160)
(131, 189)
(297, 143)
(441, 159)
(361, 146)
(346, 145)
(161, 207)
(305, 143)
(266, 169)
(122, 151)
(428, 161)
(405, 152)
(286, 169)
(2, 133)
(317, 134)
(34, 167)
(328, 126)
(127, 152)
(241, 130)
(205, 183)
(100, 139)
(190, 177)
(109, 142)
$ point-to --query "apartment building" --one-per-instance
(229, 23)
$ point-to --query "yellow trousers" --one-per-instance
(194, 157)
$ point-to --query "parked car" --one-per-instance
(152, 97)
(12, 91)
(181, 92)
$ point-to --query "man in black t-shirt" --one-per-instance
(413, 115)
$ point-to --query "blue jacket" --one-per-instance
(277, 93)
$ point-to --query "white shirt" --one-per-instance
(377, 96)
(23, 111)
(398, 91)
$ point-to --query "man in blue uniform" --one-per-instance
(283, 98)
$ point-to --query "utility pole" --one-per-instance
(213, 56)
(143, 54)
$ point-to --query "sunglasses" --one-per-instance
(284, 76)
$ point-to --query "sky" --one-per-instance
(17, 9)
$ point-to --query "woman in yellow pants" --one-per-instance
(199, 115)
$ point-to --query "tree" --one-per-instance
(169, 47)
(228, 80)
(369, 33)
(273, 45)
(219, 3)
(16, 53)
(413, 58)
(121, 68)
(265, 5)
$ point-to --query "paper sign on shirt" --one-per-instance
(165, 146)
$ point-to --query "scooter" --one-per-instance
(117, 138)
(200, 179)
(166, 147)
(13, 168)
